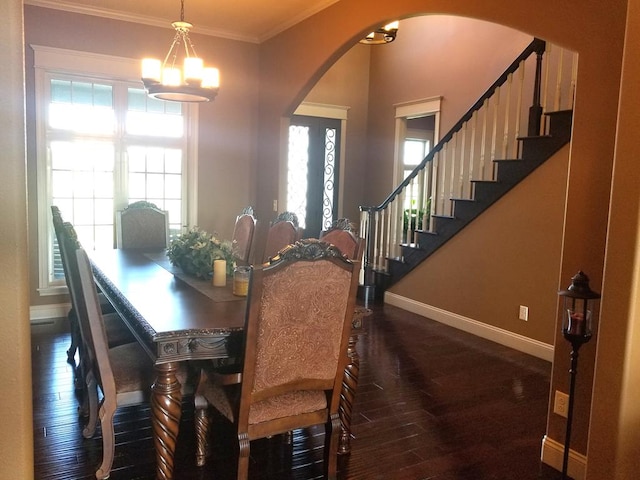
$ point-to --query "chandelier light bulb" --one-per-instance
(193, 68)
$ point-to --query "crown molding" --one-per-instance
(73, 7)
(96, 11)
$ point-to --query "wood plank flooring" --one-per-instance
(432, 403)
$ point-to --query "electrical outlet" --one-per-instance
(561, 404)
(275, 205)
(524, 313)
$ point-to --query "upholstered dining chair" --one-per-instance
(142, 225)
(342, 235)
(243, 233)
(124, 374)
(58, 228)
(116, 330)
(67, 240)
(295, 352)
(283, 231)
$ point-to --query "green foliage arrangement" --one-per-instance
(195, 251)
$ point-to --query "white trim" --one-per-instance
(61, 60)
(418, 108)
(503, 337)
(45, 314)
(322, 110)
(552, 454)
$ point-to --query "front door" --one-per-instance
(312, 172)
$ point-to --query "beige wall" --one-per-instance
(227, 147)
(16, 442)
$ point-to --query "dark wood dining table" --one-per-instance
(177, 318)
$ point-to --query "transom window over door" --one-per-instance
(103, 143)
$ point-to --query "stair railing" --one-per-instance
(488, 131)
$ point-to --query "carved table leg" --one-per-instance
(349, 384)
(202, 429)
(166, 409)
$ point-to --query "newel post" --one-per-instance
(367, 289)
(535, 111)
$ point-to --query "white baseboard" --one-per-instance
(46, 314)
(553, 455)
(495, 334)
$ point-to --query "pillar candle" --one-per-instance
(219, 273)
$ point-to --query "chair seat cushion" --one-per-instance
(117, 332)
(134, 374)
(223, 398)
(132, 368)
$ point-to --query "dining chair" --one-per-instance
(297, 328)
(342, 234)
(243, 233)
(116, 330)
(124, 374)
(142, 225)
(67, 240)
(283, 231)
(58, 228)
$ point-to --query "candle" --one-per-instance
(576, 325)
(241, 281)
(219, 273)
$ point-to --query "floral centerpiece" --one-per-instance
(195, 251)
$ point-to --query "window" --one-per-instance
(415, 149)
(102, 144)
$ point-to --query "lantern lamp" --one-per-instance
(577, 315)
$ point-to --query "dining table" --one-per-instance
(177, 318)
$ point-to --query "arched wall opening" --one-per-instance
(589, 159)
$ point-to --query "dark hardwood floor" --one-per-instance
(432, 403)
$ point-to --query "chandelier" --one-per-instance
(181, 77)
(382, 35)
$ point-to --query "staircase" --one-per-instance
(478, 161)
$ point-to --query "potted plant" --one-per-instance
(195, 250)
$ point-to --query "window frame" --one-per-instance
(56, 62)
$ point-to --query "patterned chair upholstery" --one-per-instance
(142, 225)
(296, 336)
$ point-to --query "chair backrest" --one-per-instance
(58, 228)
(97, 342)
(69, 245)
(242, 240)
(342, 235)
(298, 324)
(142, 225)
(283, 231)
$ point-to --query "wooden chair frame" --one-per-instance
(302, 252)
